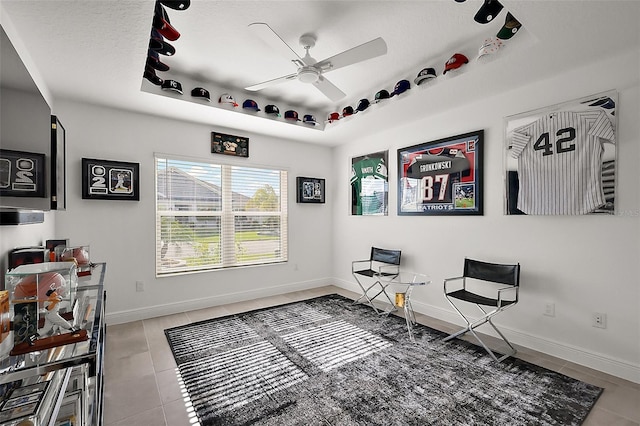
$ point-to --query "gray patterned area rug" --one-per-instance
(326, 361)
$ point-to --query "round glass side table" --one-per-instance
(406, 281)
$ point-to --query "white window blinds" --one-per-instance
(211, 216)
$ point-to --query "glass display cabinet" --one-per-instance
(60, 385)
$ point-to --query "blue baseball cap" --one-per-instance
(250, 104)
(401, 87)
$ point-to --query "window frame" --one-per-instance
(227, 216)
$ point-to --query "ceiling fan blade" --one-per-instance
(270, 83)
(329, 89)
(265, 33)
(368, 50)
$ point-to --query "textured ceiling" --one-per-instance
(95, 51)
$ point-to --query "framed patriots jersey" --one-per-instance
(442, 177)
(561, 160)
(369, 184)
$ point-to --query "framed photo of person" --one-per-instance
(237, 146)
(310, 190)
(370, 184)
(561, 159)
(442, 177)
(110, 180)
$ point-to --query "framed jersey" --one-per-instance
(561, 160)
(442, 177)
(369, 184)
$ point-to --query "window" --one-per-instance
(213, 216)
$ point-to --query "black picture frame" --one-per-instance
(310, 190)
(58, 165)
(22, 174)
(222, 143)
(443, 177)
(110, 180)
(369, 181)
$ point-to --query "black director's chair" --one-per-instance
(381, 263)
(485, 284)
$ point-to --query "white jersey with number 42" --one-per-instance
(559, 162)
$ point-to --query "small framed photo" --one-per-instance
(310, 190)
(442, 177)
(29, 389)
(22, 174)
(110, 180)
(237, 146)
(18, 412)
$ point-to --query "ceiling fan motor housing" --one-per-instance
(308, 74)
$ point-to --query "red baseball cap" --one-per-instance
(455, 62)
(163, 25)
(334, 116)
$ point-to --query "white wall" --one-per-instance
(122, 233)
(583, 264)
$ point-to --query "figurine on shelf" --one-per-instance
(53, 322)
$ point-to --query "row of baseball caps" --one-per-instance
(161, 31)
(249, 104)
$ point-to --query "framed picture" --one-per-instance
(58, 165)
(310, 190)
(22, 174)
(370, 184)
(561, 159)
(442, 177)
(29, 389)
(229, 145)
(110, 180)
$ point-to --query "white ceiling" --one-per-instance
(95, 51)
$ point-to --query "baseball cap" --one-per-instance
(489, 10)
(455, 62)
(250, 104)
(362, 105)
(272, 110)
(347, 111)
(172, 85)
(334, 116)
(163, 25)
(200, 92)
(291, 115)
(382, 94)
(510, 27)
(226, 98)
(177, 4)
(157, 44)
(153, 60)
(309, 119)
(401, 87)
(424, 75)
(490, 46)
(150, 74)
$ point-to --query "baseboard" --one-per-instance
(600, 362)
(122, 317)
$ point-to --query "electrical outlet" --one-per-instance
(600, 320)
(139, 286)
(550, 309)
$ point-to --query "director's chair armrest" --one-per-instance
(357, 262)
(448, 280)
(388, 270)
(509, 288)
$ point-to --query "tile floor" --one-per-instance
(142, 389)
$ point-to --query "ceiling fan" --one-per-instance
(310, 70)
